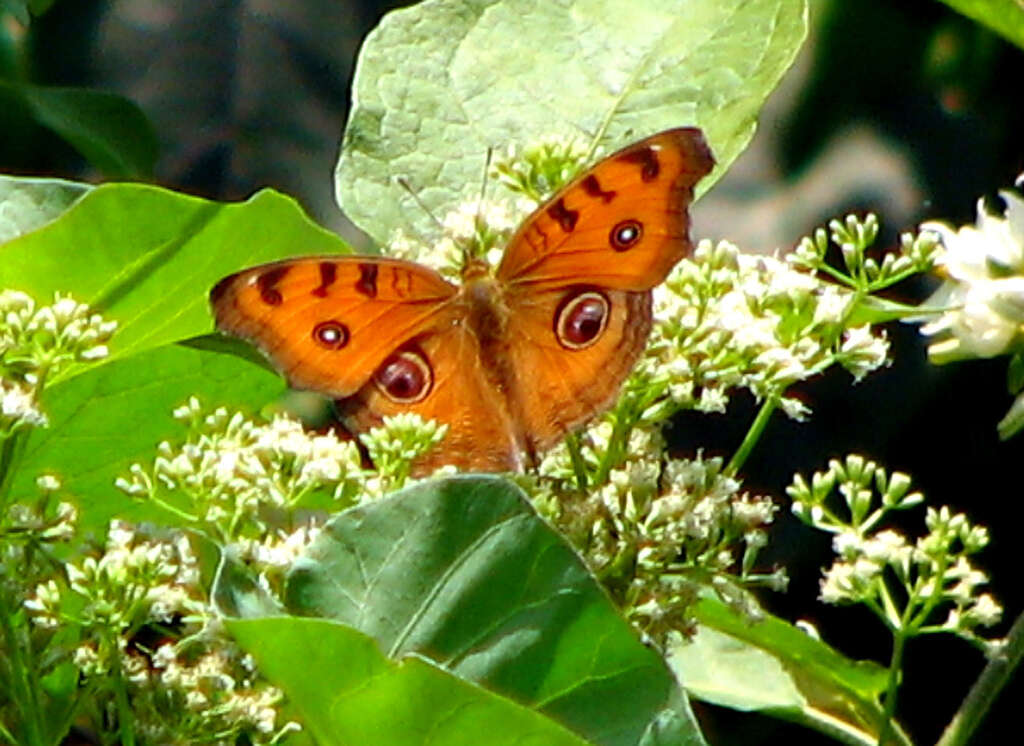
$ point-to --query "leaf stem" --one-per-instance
(987, 687)
(753, 435)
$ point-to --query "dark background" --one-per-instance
(897, 106)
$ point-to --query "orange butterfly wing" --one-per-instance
(509, 363)
(327, 323)
(591, 255)
(621, 225)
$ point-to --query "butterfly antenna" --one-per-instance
(478, 221)
(403, 182)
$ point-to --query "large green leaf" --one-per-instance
(771, 666)
(108, 417)
(462, 571)
(110, 131)
(27, 203)
(346, 692)
(1005, 17)
(147, 257)
(439, 83)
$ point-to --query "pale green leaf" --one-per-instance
(441, 82)
(28, 203)
(770, 666)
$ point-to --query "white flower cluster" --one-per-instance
(35, 343)
(231, 470)
(45, 522)
(481, 228)
(394, 448)
(904, 583)
(727, 320)
(199, 698)
(133, 578)
(48, 336)
(983, 294)
(658, 527)
(190, 684)
(472, 229)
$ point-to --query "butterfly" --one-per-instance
(514, 358)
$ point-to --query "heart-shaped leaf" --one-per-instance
(440, 82)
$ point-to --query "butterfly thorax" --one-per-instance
(486, 314)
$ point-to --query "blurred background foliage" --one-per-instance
(902, 107)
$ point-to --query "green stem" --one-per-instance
(24, 693)
(579, 467)
(892, 686)
(10, 451)
(124, 711)
(985, 690)
(616, 446)
(753, 435)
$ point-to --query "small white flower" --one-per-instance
(18, 406)
(862, 352)
(94, 353)
(984, 289)
(47, 483)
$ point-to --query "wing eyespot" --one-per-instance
(625, 234)
(405, 377)
(581, 319)
(331, 335)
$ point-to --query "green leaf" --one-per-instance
(28, 203)
(346, 692)
(772, 667)
(439, 83)
(462, 571)
(1005, 17)
(1015, 373)
(103, 420)
(147, 257)
(110, 131)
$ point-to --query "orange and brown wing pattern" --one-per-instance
(621, 225)
(448, 384)
(327, 323)
(579, 345)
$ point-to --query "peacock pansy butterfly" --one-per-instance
(512, 359)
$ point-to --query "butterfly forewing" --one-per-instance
(623, 224)
(327, 323)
